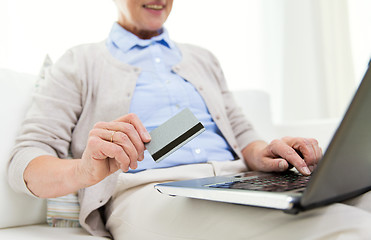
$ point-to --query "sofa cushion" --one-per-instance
(44, 232)
(15, 97)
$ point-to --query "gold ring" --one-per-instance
(113, 133)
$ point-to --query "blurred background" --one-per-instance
(309, 55)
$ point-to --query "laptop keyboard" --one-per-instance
(279, 182)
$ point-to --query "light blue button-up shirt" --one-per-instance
(160, 94)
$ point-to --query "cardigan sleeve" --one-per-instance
(50, 120)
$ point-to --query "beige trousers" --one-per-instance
(138, 212)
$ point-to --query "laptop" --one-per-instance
(343, 172)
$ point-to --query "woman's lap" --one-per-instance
(140, 212)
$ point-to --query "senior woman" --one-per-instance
(96, 106)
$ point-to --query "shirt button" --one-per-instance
(200, 88)
(157, 60)
(217, 117)
(197, 151)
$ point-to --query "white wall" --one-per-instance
(233, 31)
(360, 34)
(315, 55)
(285, 47)
(39, 27)
(32, 29)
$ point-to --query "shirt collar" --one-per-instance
(126, 40)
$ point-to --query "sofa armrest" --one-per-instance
(15, 94)
(320, 129)
(255, 104)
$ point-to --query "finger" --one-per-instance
(131, 142)
(311, 151)
(121, 139)
(281, 149)
(317, 149)
(308, 149)
(103, 150)
(114, 151)
(318, 154)
(274, 164)
(120, 132)
(312, 144)
(128, 147)
(138, 125)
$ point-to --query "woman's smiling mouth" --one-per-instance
(154, 6)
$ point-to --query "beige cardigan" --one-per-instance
(88, 85)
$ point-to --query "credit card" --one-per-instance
(173, 134)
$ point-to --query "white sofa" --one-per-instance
(24, 217)
(256, 106)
